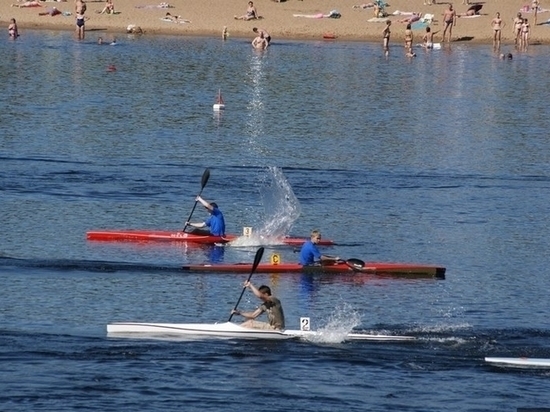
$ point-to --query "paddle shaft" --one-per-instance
(257, 259)
(204, 181)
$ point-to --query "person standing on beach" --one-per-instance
(12, 29)
(449, 19)
(80, 9)
(518, 21)
(535, 8)
(386, 38)
(497, 28)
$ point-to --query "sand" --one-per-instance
(208, 18)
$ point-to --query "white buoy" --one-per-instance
(219, 105)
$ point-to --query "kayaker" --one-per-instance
(215, 222)
(310, 255)
(271, 306)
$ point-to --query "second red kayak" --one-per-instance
(175, 236)
(352, 265)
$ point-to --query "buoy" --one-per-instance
(219, 105)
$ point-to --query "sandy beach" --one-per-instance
(292, 19)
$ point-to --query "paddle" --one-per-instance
(257, 259)
(204, 181)
(355, 264)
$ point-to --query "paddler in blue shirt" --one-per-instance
(215, 222)
(310, 255)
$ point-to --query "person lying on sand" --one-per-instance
(50, 12)
(32, 3)
(410, 19)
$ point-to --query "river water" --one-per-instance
(442, 159)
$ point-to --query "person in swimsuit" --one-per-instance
(497, 26)
(535, 9)
(408, 37)
(12, 29)
(251, 13)
(270, 305)
(109, 8)
(32, 3)
(449, 19)
(80, 29)
(429, 38)
(267, 36)
(525, 34)
(50, 12)
(260, 42)
(80, 9)
(386, 37)
(518, 21)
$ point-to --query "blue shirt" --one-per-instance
(309, 254)
(216, 223)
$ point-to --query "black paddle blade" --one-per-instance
(257, 259)
(355, 264)
(205, 177)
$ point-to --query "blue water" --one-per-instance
(442, 159)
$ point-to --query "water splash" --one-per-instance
(338, 325)
(281, 210)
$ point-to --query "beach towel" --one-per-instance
(419, 25)
(377, 20)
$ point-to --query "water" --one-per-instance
(442, 159)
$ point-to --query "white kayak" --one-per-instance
(232, 330)
(520, 362)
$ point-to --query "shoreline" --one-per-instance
(282, 20)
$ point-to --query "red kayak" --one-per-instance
(167, 236)
(352, 265)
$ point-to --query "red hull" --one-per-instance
(167, 236)
(402, 269)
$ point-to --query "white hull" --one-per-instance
(232, 330)
(217, 107)
(520, 362)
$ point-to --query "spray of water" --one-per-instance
(281, 210)
(341, 322)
